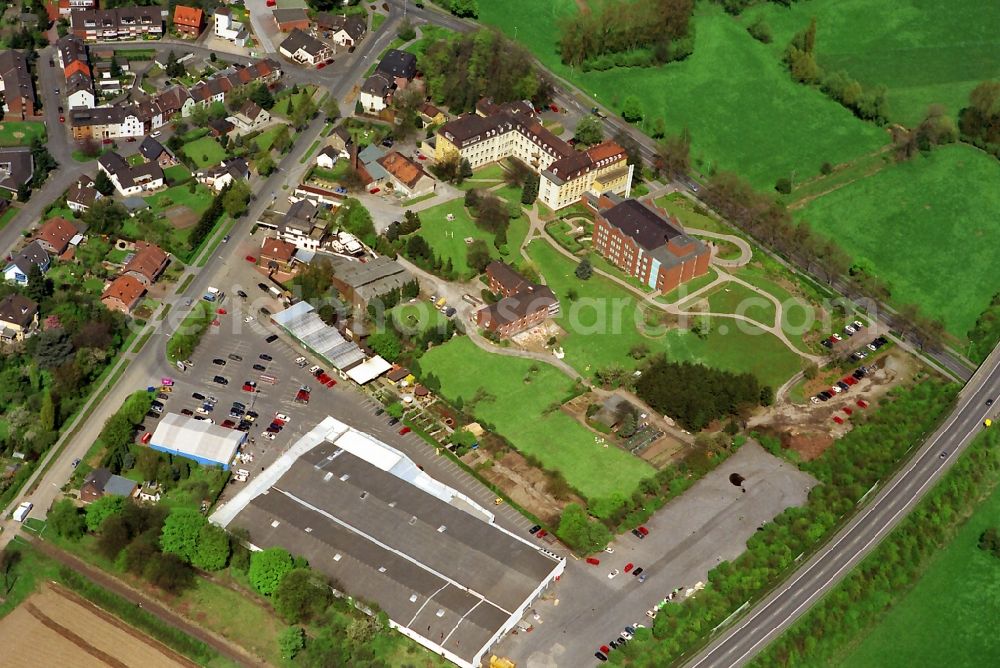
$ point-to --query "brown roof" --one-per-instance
(504, 274)
(602, 155)
(57, 232)
(147, 260)
(277, 249)
(398, 374)
(518, 305)
(402, 168)
(429, 110)
(125, 289)
(17, 310)
(473, 128)
(188, 16)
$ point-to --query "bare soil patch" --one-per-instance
(523, 483)
(57, 628)
(181, 216)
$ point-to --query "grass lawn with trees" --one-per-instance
(517, 404)
(280, 107)
(904, 219)
(780, 127)
(960, 586)
(595, 341)
(417, 317)
(921, 55)
(266, 138)
(447, 237)
(205, 152)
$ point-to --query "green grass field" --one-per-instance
(266, 138)
(20, 133)
(177, 173)
(921, 54)
(604, 325)
(205, 152)
(447, 237)
(734, 298)
(198, 201)
(517, 410)
(280, 107)
(955, 605)
(929, 226)
(743, 110)
(417, 317)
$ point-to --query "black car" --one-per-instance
(989, 402)
(600, 656)
(264, 311)
(266, 357)
(637, 571)
(393, 422)
(615, 643)
(242, 294)
(272, 338)
(535, 529)
(262, 287)
(827, 343)
(198, 395)
(382, 410)
(842, 385)
(823, 396)
(320, 372)
(221, 380)
(240, 405)
(637, 534)
(218, 361)
(259, 367)
(155, 416)
(234, 357)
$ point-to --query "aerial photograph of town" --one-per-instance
(499, 333)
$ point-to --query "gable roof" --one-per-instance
(378, 84)
(188, 16)
(57, 232)
(17, 166)
(299, 40)
(646, 227)
(16, 76)
(126, 289)
(402, 168)
(277, 249)
(251, 110)
(355, 26)
(290, 14)
(32, 254)
(151, 149)
(147, 260)
(398, 63)
(18, 310)
(82, 192)
(504, 274)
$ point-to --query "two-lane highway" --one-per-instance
(890, 504)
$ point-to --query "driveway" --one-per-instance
(264, 27)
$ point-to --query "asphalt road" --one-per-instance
(738, 644)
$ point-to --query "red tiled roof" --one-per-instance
(277, 249)
(188, 16)
(147, 260)
(125, 289)
(57, 232)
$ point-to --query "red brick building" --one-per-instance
(523, 306)
(646, 243)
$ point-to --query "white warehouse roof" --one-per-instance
(199, 440)
(369, 371)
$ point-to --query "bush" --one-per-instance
(783, 186)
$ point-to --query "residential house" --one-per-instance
(400, 66)
(101, 482)
(123, 294)
(82, 195)
(301, 227)
(150, 492)
(303, 48)
(175, 100)
(496, 133)
(188, 20)
(67, 6)
(276, 254)
(361, 282)
(366, 163)
(18, 318)
(431, 115)
(400, 375)
(226, 172)
(148, 263)
(220, 127)
(129, 179)
(55, 235)
(343, 30)
(19, 268)
(524, 304)
(291, 19)
(106, 122)
(376, 93)
(327, 158)
(646, 243)
(71, 52)
(229, 29)
(80, 91)
(126, 23)
(394, 72)
(406, 176)
(232, 78)
(342, 140)
(17, 167)
(154, 151)
(250, 117)
(16, 86)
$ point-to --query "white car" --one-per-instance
(268, 435)
(612, 573)
(836, 389)
(626, 635)
(200, 409)
(314, 369)
(858, 325)
(609, 549)
(283, 417)
(248, 319)
(815, 400)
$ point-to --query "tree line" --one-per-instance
(460, 69)
(980, 121)
(984, 335)
(628, 33)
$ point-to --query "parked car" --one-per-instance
(600, 656)
(266, 357)
(228, 424)
(404, 431)
(272, 338)
(263, 287)
(393, 422)
(251, 259)
(242, 295)
(187, 411)
(234, 357)
(637, 572)
(218, 361)
(221, 380)
(259, 367)
(535, 529)
(613, 573)
(593, 562)
(629, 566)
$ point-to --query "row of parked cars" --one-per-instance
(604, 650)
(842, 385)
(849, 330)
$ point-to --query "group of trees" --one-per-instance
(695, 395)
(353, 217)
(492, 214)
(980, 121)
(989, 541)
(206, 223)
(870, 104)
(462, 68)
(118, 432)
(623, 33)
(43, 164)
(463, 8)
(986, 332)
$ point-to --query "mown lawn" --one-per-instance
(447, 237)
(732, 297)
(955, 605)
(266, 138)
(20, 133)
(205, 152)
(744, 112)
(922, 55)
(177, 173)
(198, 201)
(606, 322)
(417, 317)
(280, 107)
(929, 226)
(516, 406)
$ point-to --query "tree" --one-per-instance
(356, 219)
(783, 185)
(174, 68)
(105, 216)
(47, 412)
(989, 541)
(301, 596)
(530, 191)
(213, 548)
(632, 109)
(168, 572)
(418, 248)
(406, 31)
(589, 131)
(113, 536)
(103, 184)
(478, 256)
(265, 165)
(261, 96)
(66, 520)
(39, 288)
(673, 154)
(237, 199)
(760, 31)
(628, 425)
(181, 532)
(52, 348)
(386, 344)
(464, 170)
(267, 568)
(331, 109)
(584, 270)
(291, 641)
(580, 533)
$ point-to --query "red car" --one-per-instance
(542, 534)
(250, 258)
(605, 649)
(107, 141)
(221, 311)
(228, 424)
(593, 562)
(272, 3)
(848, 410)
(553, 107)
(404, 431)
(862, 403)
(130, 140)
(330, 383)
(628, 567)
(216, 323)
(62, 119)
(644, 531)
(247, 387)
(146, 438)
(375, 191)
(850, 380)
(279, 422)
(321, 66)
(838, 419)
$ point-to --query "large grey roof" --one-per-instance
(303, 323)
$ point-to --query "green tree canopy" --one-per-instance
(301, 596)
(66, 519)
(213, 548)
(267, 568)
(104, 507)
(181, 532)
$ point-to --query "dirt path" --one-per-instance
(150, 605)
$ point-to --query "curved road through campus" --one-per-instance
(895, 498)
